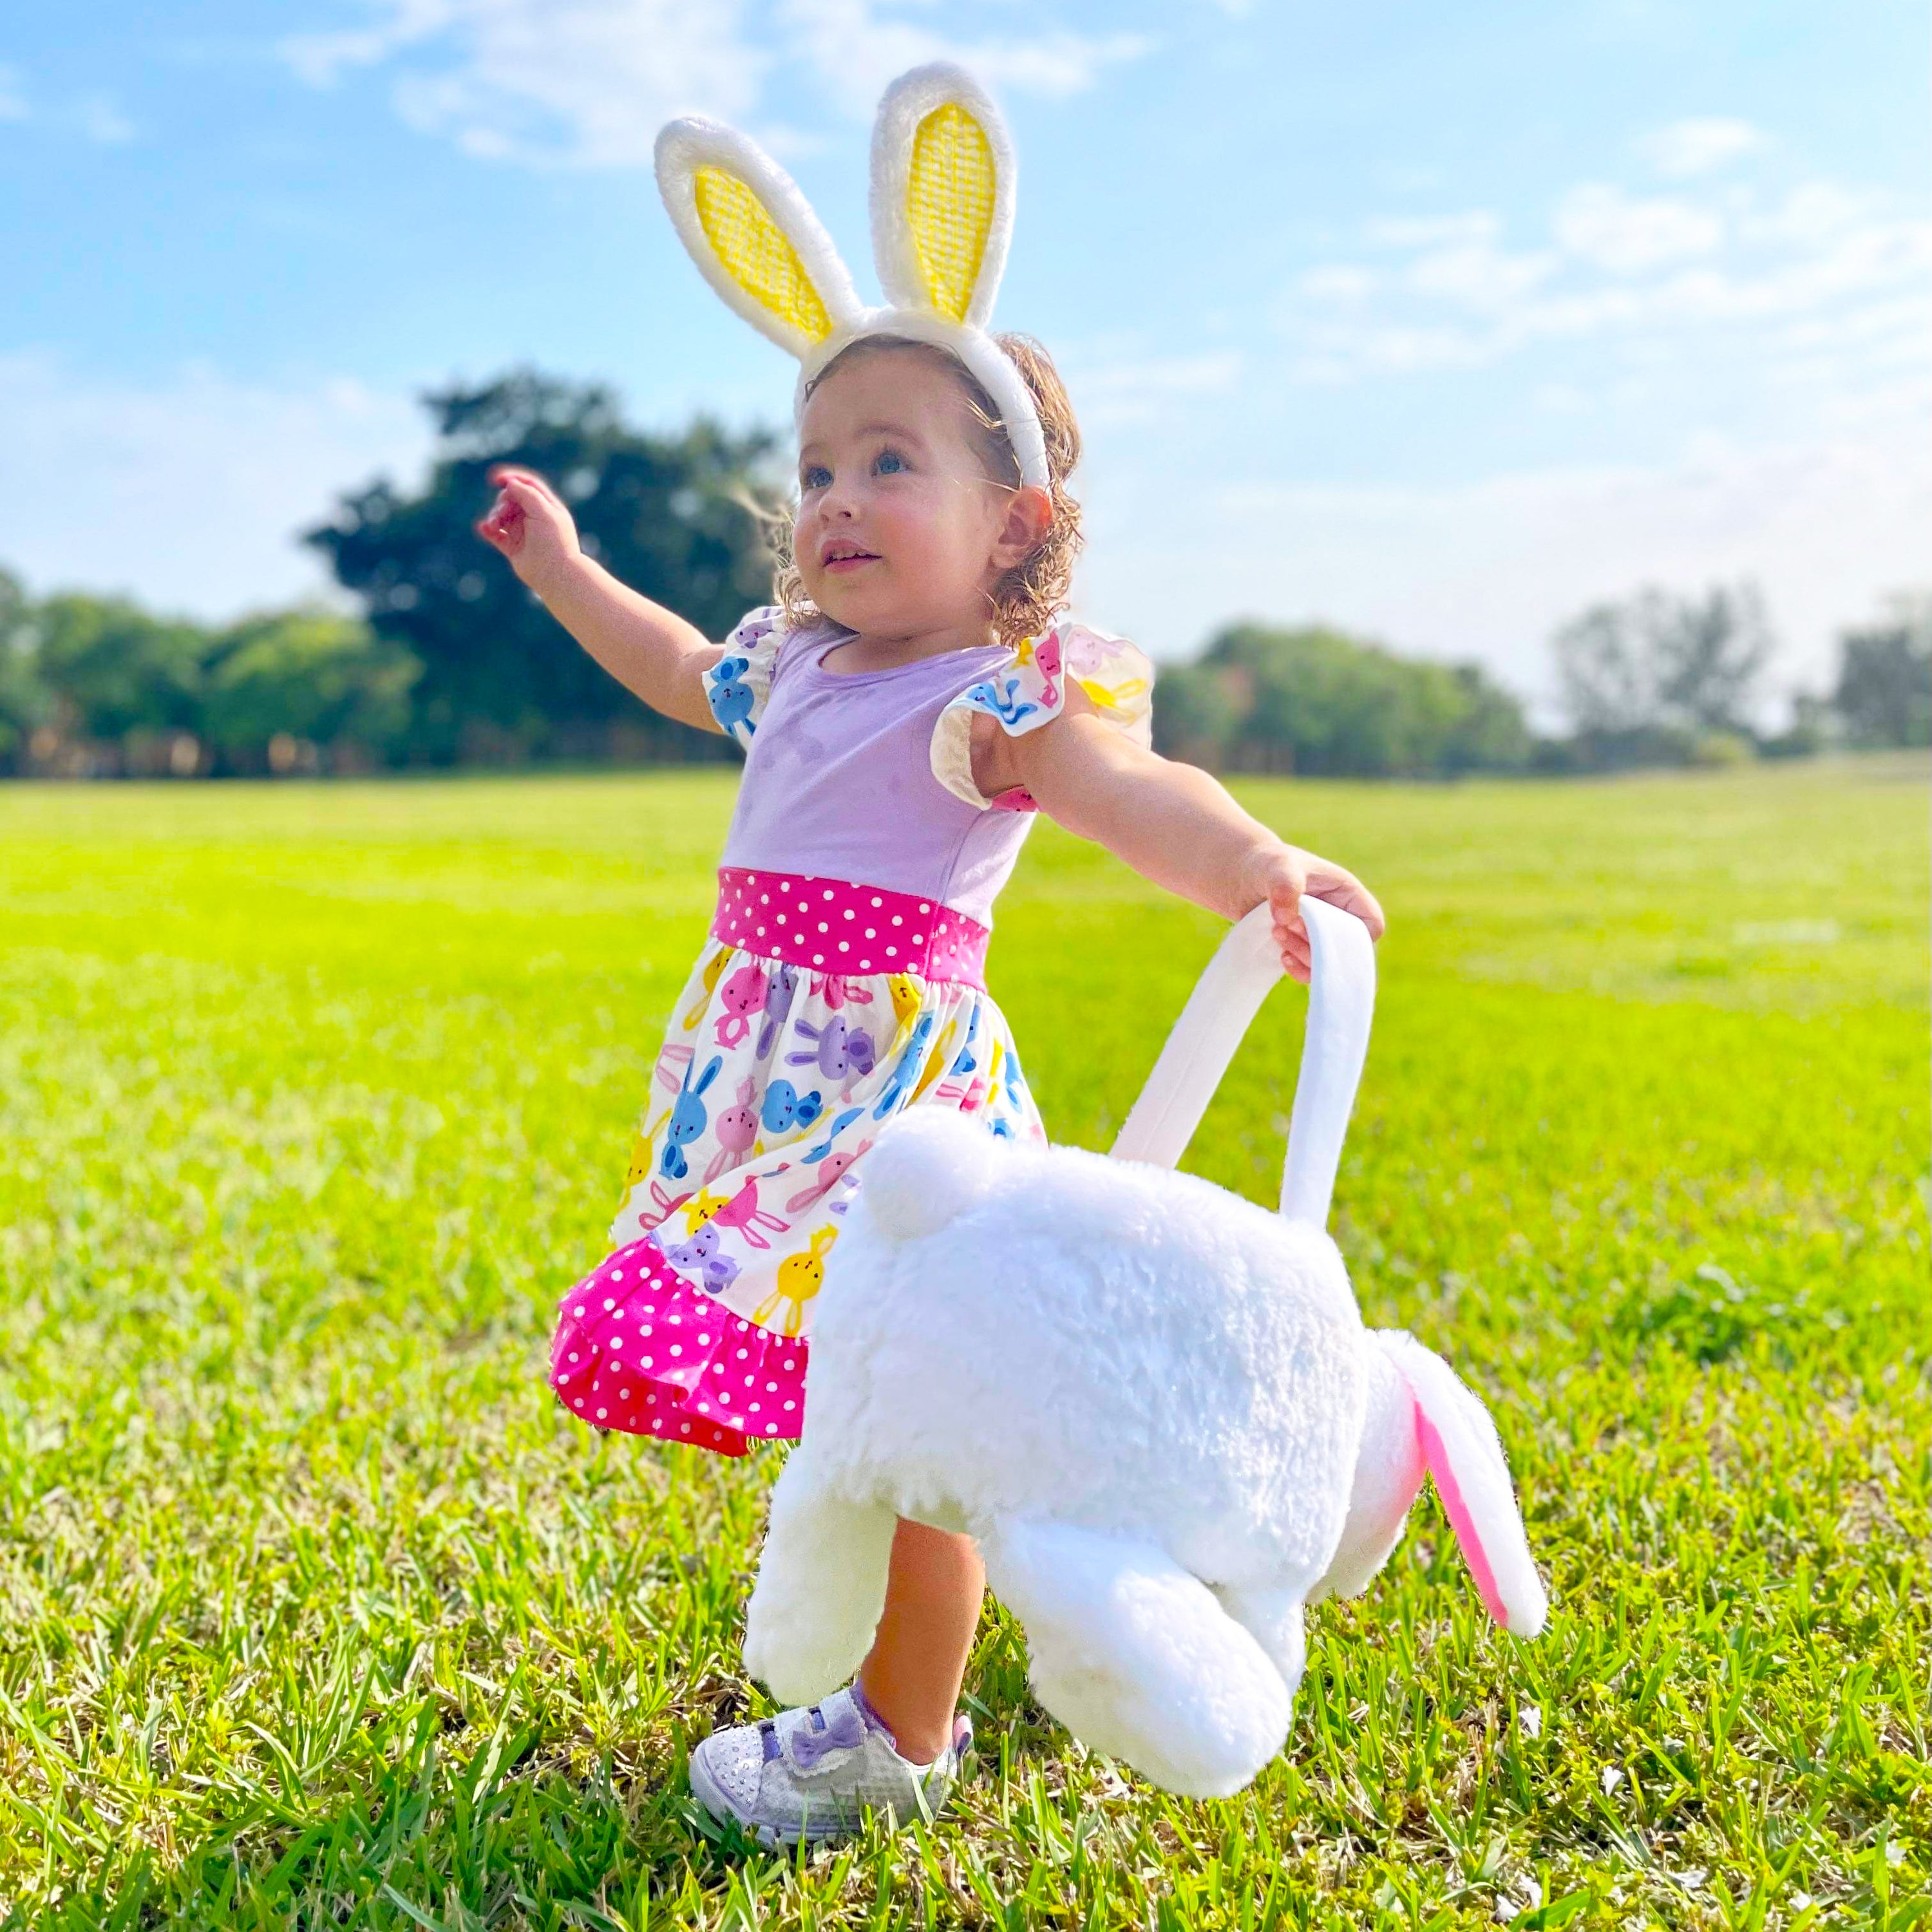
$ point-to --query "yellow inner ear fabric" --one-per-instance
(755, 252)
(950, 204)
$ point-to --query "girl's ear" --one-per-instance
(942, 195)
(753, 234)
(1029, 518)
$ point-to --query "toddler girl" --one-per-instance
(913, 699)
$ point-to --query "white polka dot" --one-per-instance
(623, 1395)
(754, 1408)
(818, 959)
(876, 900)
(781, 919)
(717, 1436)
(742, 1352)
(704, 1341)
(919, 939)
(790, 1406)
(849, 913)
(646, 1363)
(788, 1361)
(771, 1388)
(897, 920)
(676, 1348)
(578, 1403)
(844, 946)
(684, 1428)
(828, 892)
(616, 1342)
(580, 1311)
(771, 1429)
(602, 1413)
(923, 907)
(573, 1354)
(608, 1305)
(822, 927)
(892, 953)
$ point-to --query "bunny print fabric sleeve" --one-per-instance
(1031, 690)
(790, 1049)
(737, 686)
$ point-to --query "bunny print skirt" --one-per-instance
(817, 1011)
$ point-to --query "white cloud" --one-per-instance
(187, 493)
(1112, 384)
(1479, 275)
(586, 83)
(1626, 235)
(1487, 569)
(581, 82)
(94, 116)
(1686, 149)
(101, 120)
(1338, 282)
(1816, 280)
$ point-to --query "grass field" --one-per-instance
(315, 1611)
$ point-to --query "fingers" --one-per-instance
(526, 486)
(502, 526)
(1336, 887)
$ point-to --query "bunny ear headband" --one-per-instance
(942, 212)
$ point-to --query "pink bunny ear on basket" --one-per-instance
(1460, 1446)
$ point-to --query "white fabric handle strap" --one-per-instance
(1341, 1008)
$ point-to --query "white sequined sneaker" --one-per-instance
(814, 1773)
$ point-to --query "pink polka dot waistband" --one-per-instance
(835, 926)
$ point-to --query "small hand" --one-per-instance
(528, 524)
(1280, 874)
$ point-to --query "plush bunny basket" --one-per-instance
(1153, 1403)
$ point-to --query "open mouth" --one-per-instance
(845, 557)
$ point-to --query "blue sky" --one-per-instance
(1437, 323)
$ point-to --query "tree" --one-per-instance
(1645, 681)
(1317, 701)
(115, 668)
(1884, 676)
(26, 702)
(306, 674)
(669, 515)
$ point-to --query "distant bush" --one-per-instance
(1319, 702)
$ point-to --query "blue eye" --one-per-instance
(888, 463)
(815, 477)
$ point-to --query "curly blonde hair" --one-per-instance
(1028, 597)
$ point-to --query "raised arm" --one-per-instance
(1172, 823)
(650, 651)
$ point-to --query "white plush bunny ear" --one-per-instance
(942, 195)
(754, 235)
(1460, 1445)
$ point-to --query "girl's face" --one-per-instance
(900, 529)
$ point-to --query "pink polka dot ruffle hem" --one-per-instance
(835, 926)
(639, 1349)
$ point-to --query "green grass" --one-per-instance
(314, 1610)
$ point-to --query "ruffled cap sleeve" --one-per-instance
(737, 686)
(1030, 691)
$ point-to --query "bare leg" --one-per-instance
(918, 1658)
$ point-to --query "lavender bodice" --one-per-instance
(839, 781)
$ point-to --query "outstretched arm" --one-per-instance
(1172, 823)
(650, 651)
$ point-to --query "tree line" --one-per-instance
(447, 660)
